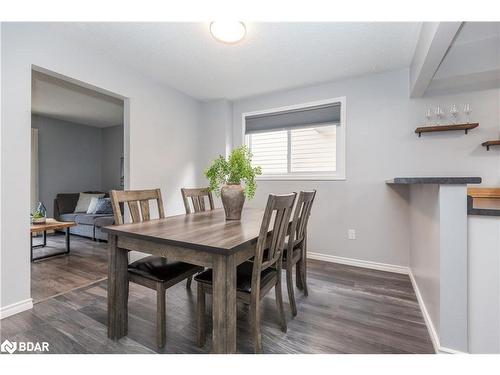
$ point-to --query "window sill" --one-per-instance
(301, 178)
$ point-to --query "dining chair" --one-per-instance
(152, 272)
(295, 250)
(255, 278)
(197, 196)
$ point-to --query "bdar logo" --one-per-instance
(8, 346)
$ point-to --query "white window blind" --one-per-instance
(282, 146)
(270, 151)
(313, 149)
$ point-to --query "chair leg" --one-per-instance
(289, 286)
(200, 316)
(255, 326)
(188, 282)
(298, 276)
(303, 269)
(279, 303)
(161, 323)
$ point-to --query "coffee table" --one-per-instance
(50, 224)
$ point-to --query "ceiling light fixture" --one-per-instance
(228, 31)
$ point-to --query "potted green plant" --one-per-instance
(226, 177)
(40, 214)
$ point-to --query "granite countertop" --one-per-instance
(434, 180)
(483, 206)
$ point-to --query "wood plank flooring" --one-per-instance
(349, 310)
(86, 263)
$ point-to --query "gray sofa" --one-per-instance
(87, 225)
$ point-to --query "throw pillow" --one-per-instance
(104, 206)
(92, 205)
(84, 201)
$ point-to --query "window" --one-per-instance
(298, 142)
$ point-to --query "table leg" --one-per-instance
(67, 234)
(31, 245)
(117, 290)
(224, 304)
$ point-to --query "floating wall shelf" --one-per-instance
(443, 128)
(488, 144)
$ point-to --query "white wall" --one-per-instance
(424, 241)
(484, 284)
(215, 134)
(381, 144)
(160, 125)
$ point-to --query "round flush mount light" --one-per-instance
(228, 31)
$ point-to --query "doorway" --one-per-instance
(78, 155)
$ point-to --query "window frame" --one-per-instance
(340, 173)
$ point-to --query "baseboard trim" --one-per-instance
(359, 263)
(16, 308)
(427, 318)
(444, 350)
(428, 322)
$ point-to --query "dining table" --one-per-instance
(205, 239)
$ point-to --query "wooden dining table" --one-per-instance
(205, 239)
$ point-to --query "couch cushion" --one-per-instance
(87, 219)
(68, 217)
(104, 206)
(93, 205)
(84, 201)
(104, 220)
(66, 202)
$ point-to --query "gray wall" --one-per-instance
(111, 151)
(74, 158)
(69, 158)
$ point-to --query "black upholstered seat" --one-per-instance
(160, 269)
(285, 250)
(243, 276)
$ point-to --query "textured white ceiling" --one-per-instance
(273, 56)
(53, 97)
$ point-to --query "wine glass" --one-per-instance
(428, 115)
(454, 113)
(467, 111)
(439, 114)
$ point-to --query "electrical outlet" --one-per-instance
(351, 234)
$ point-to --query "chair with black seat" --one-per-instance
(197, 197)
(295, 253)
(255, 278)
(153, 272)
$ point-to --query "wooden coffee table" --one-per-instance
(50, 224)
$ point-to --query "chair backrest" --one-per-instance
(197, 196)
(298, 229)
(138, 204)
(280, 208)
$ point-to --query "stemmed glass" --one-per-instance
(428, 116)
(454, 113)
(439, 114)
(467, 111)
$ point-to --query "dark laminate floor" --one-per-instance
(86, 263)
(349, 310)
